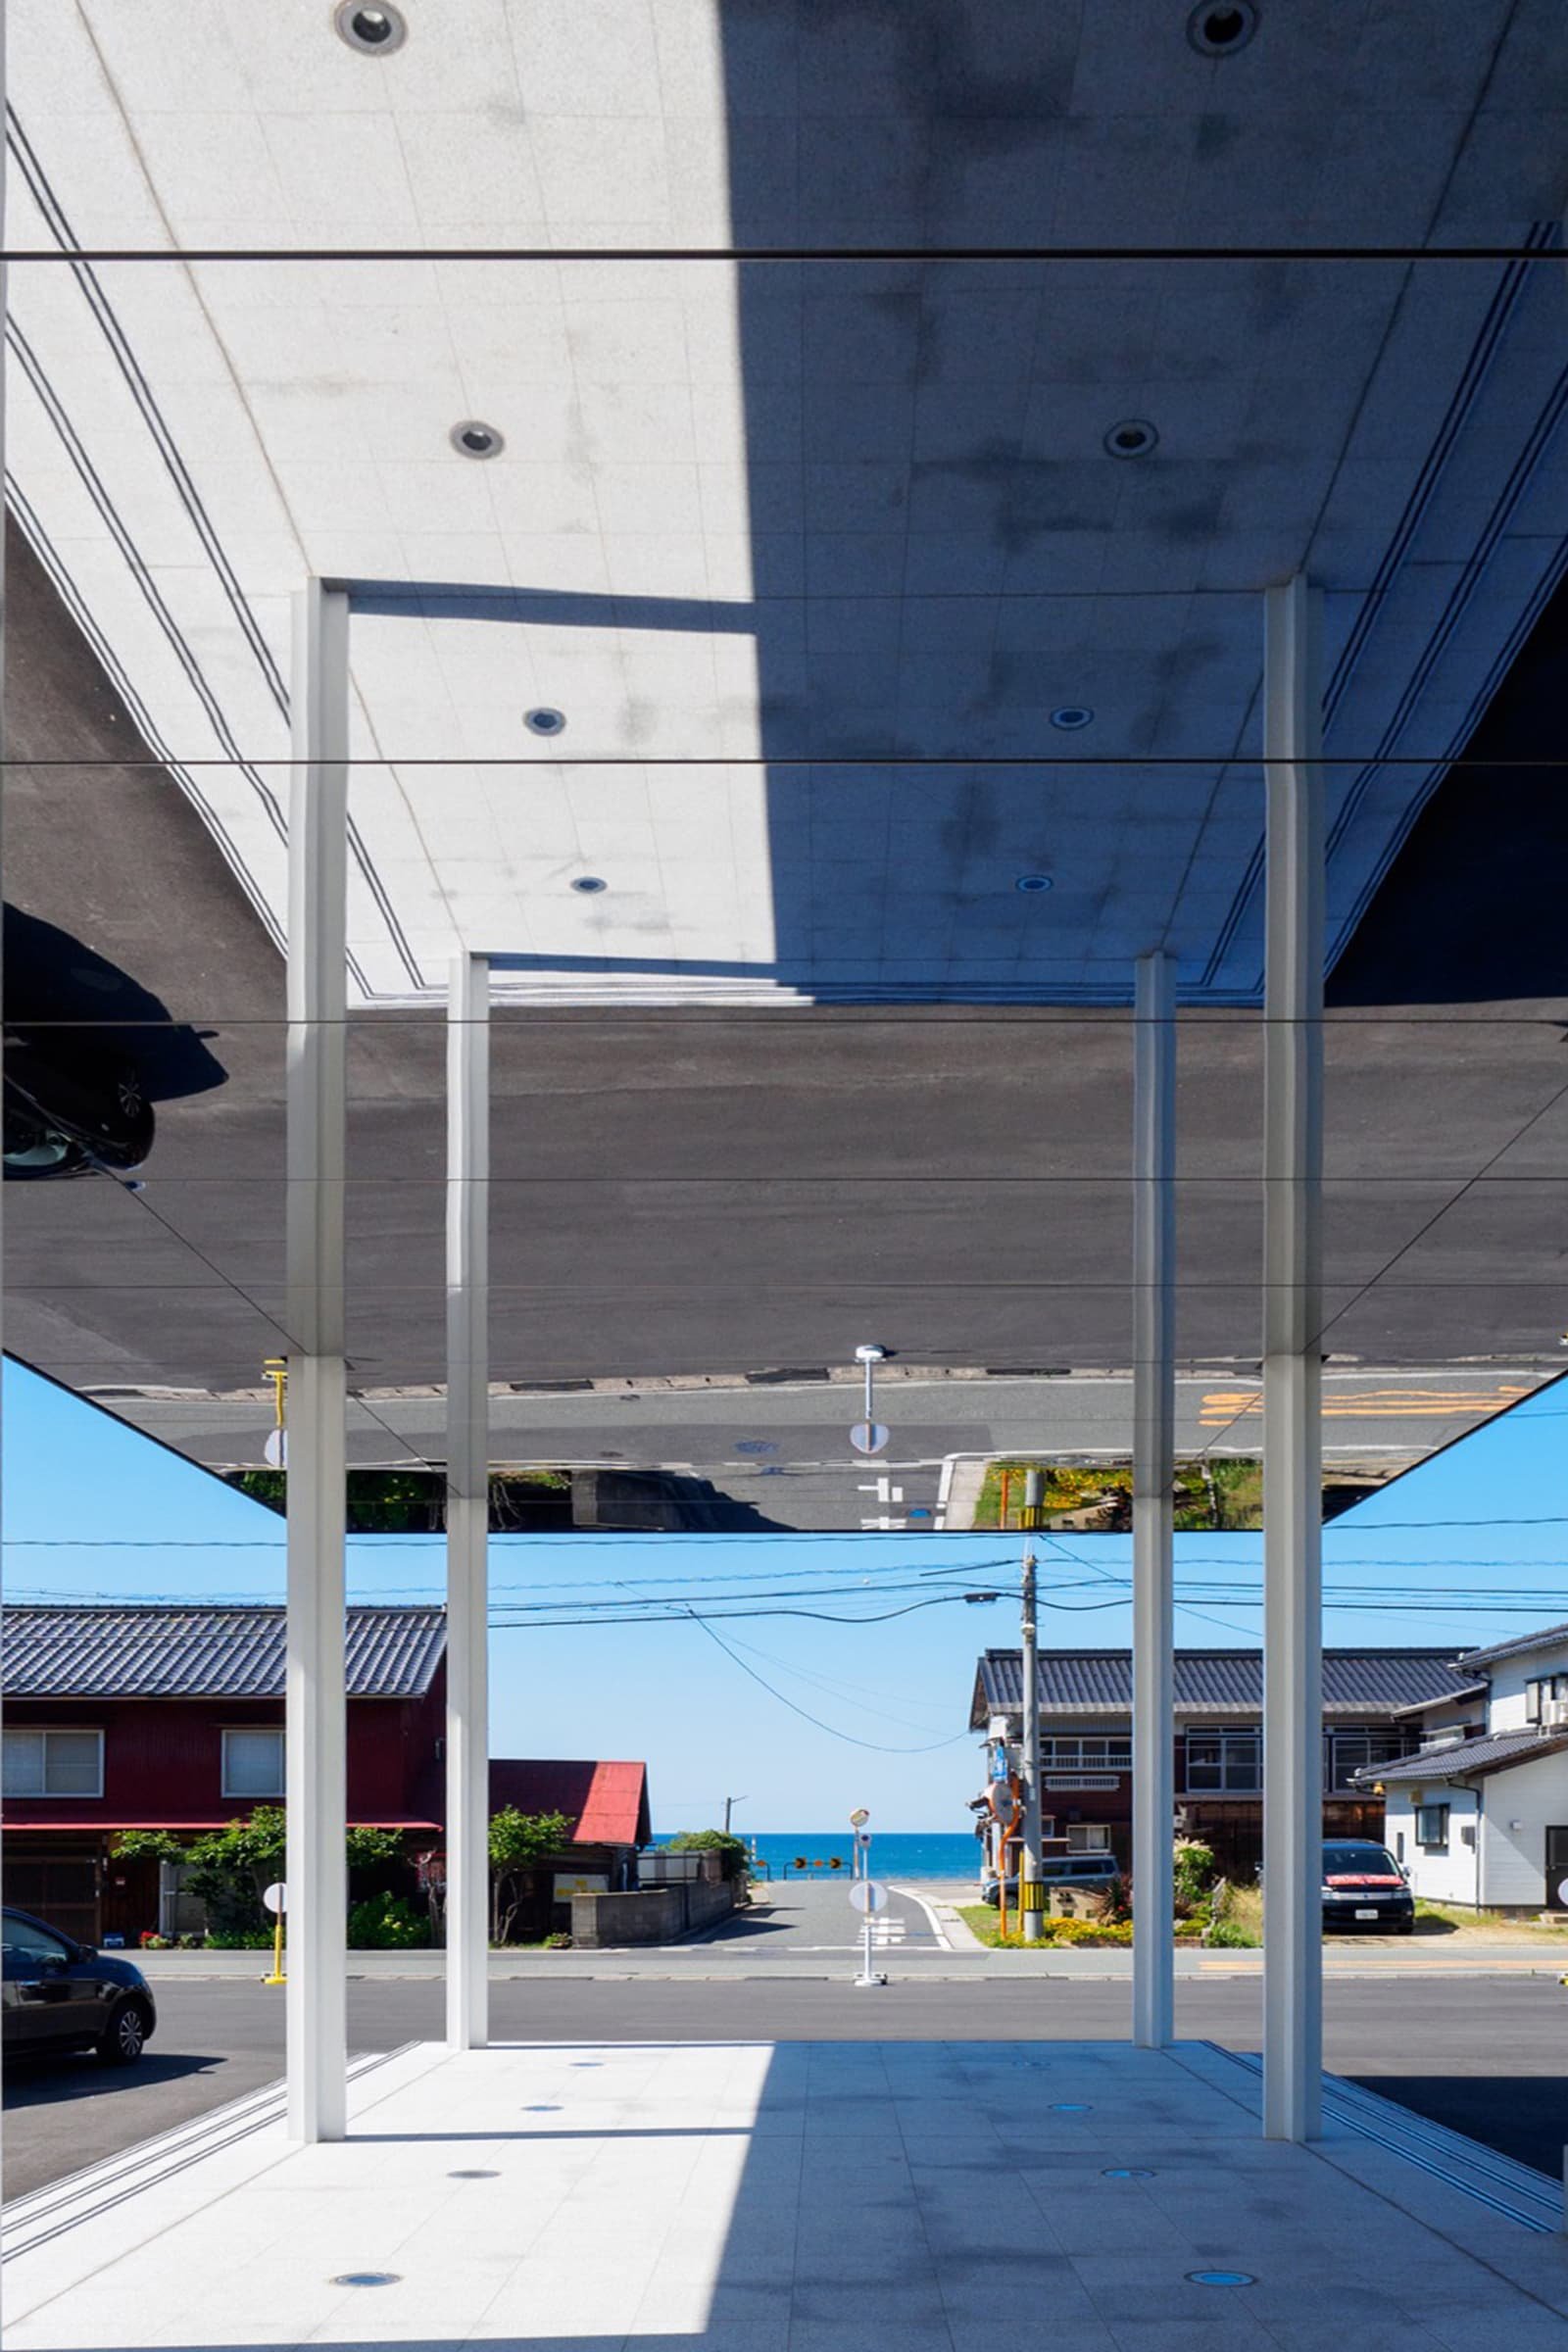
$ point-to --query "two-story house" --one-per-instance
(171, 1718)
(1479, 1814)
(1086, 1740)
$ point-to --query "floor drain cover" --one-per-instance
(1221, 2277)
(1128, 2171)
(367, 2278)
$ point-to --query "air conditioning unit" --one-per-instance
(1555, 1712)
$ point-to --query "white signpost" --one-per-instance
(869, 1435)
(868, 1897)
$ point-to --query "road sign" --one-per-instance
(275, 1897)
(868, 1895)
(868, 1437)
(276, 1449)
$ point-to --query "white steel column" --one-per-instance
(318, 1012)
(1153, 1475)
(1293, 1498)
(467, 1905)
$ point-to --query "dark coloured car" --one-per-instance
(1364, 1887)
(1093, 1872)
(63, 1995)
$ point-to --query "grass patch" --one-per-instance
(1445, 1919)
(981, 1919)
(1098, 1499)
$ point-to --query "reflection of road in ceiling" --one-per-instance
(1461, 1403)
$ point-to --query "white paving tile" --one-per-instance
(743, 2198)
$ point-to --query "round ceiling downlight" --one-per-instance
(1221, 2277)
(376, 31)
(589, 885)
(1219, 28)
(1033, 882)
(1133, 437)
(1071, 717)
(474, 438)
(544, 721)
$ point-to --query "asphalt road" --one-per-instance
(1483, 2056)
(799, 1916)
(783, 1447)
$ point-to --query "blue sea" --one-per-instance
(923, 1854)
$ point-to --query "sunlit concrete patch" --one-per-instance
(743, 2196)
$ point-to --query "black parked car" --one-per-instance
(63, 1995)
(1364, 1887)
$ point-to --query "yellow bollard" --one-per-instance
(277, 1976)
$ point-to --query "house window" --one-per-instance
(53, 1764)
(1218, 1761)
(1533, 1699)
(1111, 1752)
(1088, 1836)
(252, 1763)
(1432, 1827)
(1345, 1753)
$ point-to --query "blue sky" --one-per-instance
(93, 1511)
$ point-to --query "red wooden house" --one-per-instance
(171, 1718)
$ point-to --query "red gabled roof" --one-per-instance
(606, 1802)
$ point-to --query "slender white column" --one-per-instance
(1293, 1501)
(318, 1012)
(468, 1503)
(4, 772)
(1153, 1475)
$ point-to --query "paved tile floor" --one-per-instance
(748, 2198)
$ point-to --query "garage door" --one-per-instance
(60, 1888)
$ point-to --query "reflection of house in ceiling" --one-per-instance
(802, 552)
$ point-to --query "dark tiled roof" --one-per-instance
(1552, 1636)
(1354, 1680)
(1466, 1757)
(176, 1652)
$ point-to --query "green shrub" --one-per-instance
(387, 1923)
(240, 1940)
(1194, 1873)
(557, 1942)
(1232, 1933)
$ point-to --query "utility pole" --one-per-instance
(1031, 1892)
(730, 1802)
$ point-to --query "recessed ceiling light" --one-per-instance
(1221, 2277)
(473, 439)
(544, 720)
(366, 2278)
(1128, 2171)
(1219, 28)
(376, 30)
(1133, 437)
(1033, 882)
(1071, 717)
(589, 884)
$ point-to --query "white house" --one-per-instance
(1479, 1814)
